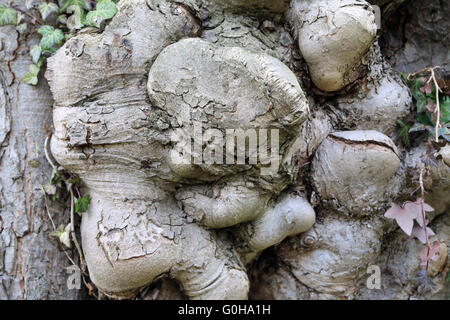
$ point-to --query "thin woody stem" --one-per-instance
(49, 157)
(422, 189)
(438, 109)
(411, 75)
(53, 223)
(72, 230)
(33, 18)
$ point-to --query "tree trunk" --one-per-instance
(317, 264)
(32, 264)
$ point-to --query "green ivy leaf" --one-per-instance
(21, 28)
(405, 76)
(67, 36)
(62, 19)
(35, 53)
(425, 119)
(55, 178)
(47, 8)
(415, 85)
(422, 102)
(77, 19)
(51, 37)
(82, 204)
(7, 16)
(404, 132)
(75, 181)
(32, 76)
(29, 4)
(63, 235)
(417, 127)
(49, 189)
(20, 17)
(106, 9)
(444, 133)
(68, 3)
(445, 110)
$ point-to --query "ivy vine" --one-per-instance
(56, 22)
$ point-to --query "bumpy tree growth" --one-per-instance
(309, 79)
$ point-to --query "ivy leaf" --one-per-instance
(51, 37)
(62, 19)
(47, 8)
(404, 132)
(32, 76)
(405, 215)
(82, 204)
(106, 9)
(21, 28)
(445, 110)
(49, 189)
(77, 19)
(422, 102)
(431, 106)
(68, 3)
(427, 87)
(67, 36)
(417, 127)
(7, 16)
(419, 233)
(20, 17)
(404, 219)
(444, 133)
(404, 76)
(29, 4)
(55, 178)
(63, 235)
(415, 85)
(415, 208)
(444, 84)
(35, 53)
(75, 181)
(71, 182)
(425, 119)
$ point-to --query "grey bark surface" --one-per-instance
(417, 36)
(327, 262)
(31, 262)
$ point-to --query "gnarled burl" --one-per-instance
(161, 67)
(119, 96)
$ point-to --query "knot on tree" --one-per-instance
(190, 141)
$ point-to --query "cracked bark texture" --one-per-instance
(117, 96)
(31, 262)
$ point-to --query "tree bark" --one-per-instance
(32, 263)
